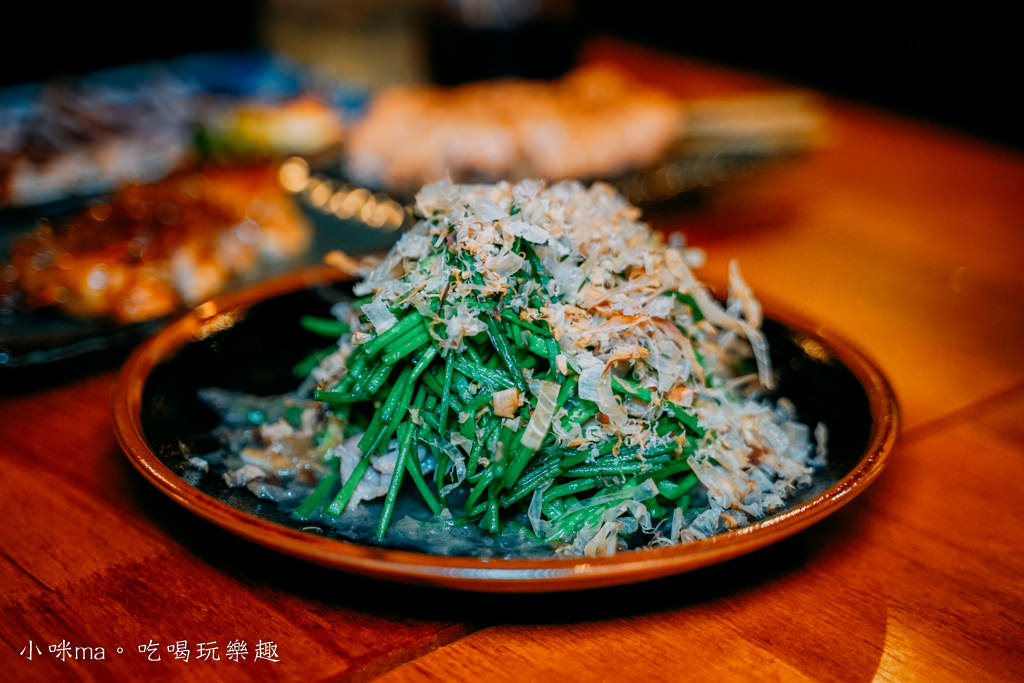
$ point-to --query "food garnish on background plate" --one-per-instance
(302, 125)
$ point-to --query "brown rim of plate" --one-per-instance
(478, 574)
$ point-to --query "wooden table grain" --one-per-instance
(904, 238)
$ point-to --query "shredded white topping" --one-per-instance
(623, 306)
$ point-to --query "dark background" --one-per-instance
(958, 68)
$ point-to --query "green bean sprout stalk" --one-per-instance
(534, 355)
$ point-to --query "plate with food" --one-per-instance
(75, 138)
(532, 391)
(82, 285)
(597, 122)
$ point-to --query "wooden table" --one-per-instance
(906, 239)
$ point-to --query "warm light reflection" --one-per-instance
(377, 211)
(206, 310)
(293, 174)
(319, 193)
(336, 203)
(216, 324)
(366, 212)
(353, 202)
(814, 349)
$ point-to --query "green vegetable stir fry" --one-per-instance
(535, 357)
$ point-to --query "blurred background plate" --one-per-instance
(45, 345)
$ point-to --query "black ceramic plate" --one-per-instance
(250, 342)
